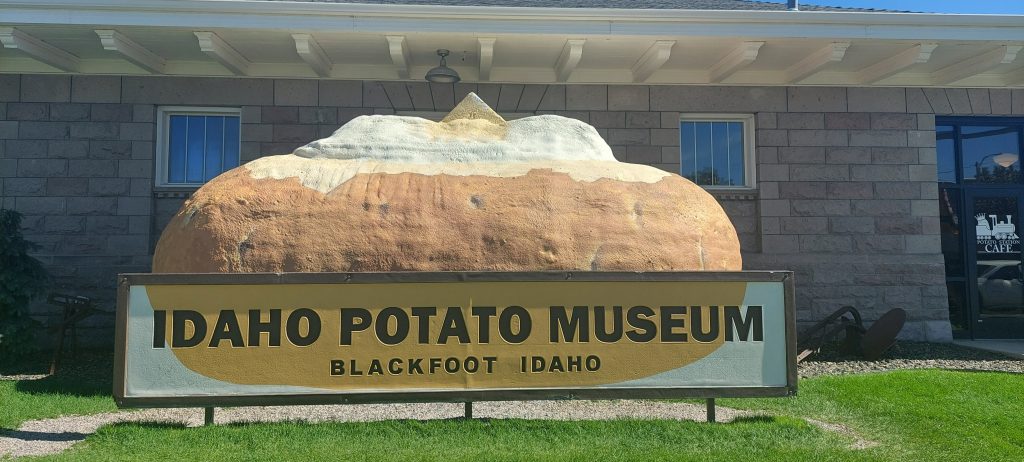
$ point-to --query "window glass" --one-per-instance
(196, 145)
(213, 162)
(952, 231)
(713, 153)
(957, 293)
(176, 150)
(945, 144)
(991, 154)
(200, 147)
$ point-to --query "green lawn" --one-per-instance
(79, 387)
(913, 415)
(928, 415)
(454, 440)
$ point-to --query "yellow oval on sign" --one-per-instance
(447, 335)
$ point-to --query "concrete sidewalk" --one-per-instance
(1011, 348)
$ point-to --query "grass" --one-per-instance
(926, 415)
(913, 415)
(78, 387)
(455, 440)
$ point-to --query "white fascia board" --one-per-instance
(316, 16)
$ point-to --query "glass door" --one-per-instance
(994, 262)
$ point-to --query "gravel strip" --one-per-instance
(19, 377)
(911, 355)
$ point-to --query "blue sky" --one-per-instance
(931, 6)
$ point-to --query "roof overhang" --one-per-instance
(523, 45)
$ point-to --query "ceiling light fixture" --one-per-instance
(443, 73)
(1005, 159)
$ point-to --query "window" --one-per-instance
(716, 150)
(979, 150)
(196, 144)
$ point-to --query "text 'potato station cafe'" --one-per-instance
(355, 202)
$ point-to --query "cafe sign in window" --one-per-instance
(997, 234)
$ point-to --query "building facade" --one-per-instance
(879, 187)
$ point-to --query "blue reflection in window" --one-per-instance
(176, 149)
(945, 148)
(201, 147)
(990, 153)
(712, 152)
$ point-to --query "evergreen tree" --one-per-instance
(22, 277)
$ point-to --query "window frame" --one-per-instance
(163, 126)
(749, 135)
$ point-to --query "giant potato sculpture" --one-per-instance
(471, 193)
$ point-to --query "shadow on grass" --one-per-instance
(89, 373)
(67, 385)
(146, 425)
(753, 419)
(52, 437)
(986, 371)
(761, 418)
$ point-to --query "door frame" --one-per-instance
(964, 193)
(999, 328)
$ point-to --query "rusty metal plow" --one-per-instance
(868, 343)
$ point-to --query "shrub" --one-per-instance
(22, 277)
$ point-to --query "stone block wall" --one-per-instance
(76, 161)
(846, 190)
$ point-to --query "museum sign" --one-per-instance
(230, 339)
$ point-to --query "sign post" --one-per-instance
(204, 340)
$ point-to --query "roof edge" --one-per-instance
(20, 11)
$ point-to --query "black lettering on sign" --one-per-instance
(644, 330)
(272, 328)
(538, 363)
(414, 366)
(395, 366)
(490, 363)
(423, 315)
(472, 364)
(505, 325)
(159, 328)
(570, 327)
(556, 365)
(227, 328)
(452, 365)
(601, 327)
(312, 330)
(375, 368)
(401, 326)
(337, 367)
(484, 313)
(454, 325)
(670, 322)
(353, 320)
(697, 324)
(734, 321)
(178, 319)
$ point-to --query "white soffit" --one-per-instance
(530, 45)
